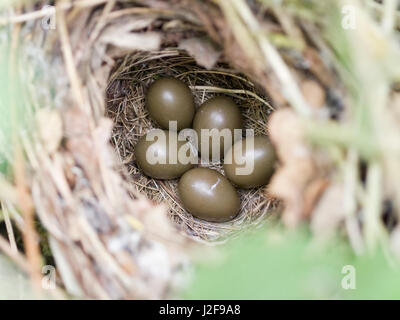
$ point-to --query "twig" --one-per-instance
(350, 202)
(14, 215)
(217, 72)
(242, 34)
(102, 20)
(378, 8)
(25, 203)
(24, 199)
(68, 57)
(271, 54)
(27, 16)
(9, 228)
(389, 15)
(235, 91)
(139, 10)
(373, 229)
(15, 256)
(48, 11)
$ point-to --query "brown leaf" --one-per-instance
(203, 51)
(134, 41)
(287, 134)
(50, 129)
(120, 35)
(313, 93)
(296, 181)
(317, 66)
(313, 192)
(329, 211)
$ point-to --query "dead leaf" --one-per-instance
(317, 66)
(173, 25)
(202, 50)
(313, 93)
(287, 134)
(329, 211)
(297, 182)
(128, 24)
(285, 187)
(313, 192)
(120, 35)
(102, 135)
(50, 129)
(134, 41)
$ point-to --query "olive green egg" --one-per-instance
(169, 99)
(219, 113)
(157, 155)
(208, 195)
(250, 164)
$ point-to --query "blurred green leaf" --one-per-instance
(15, 110)
(4, 166)
(276, 264)
(5, 119)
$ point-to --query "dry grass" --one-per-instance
(126, 106)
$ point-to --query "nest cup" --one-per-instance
(125, 94)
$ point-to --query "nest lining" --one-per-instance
(126, 107)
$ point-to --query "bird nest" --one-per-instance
(126, 107)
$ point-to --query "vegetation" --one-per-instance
(328, 70)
